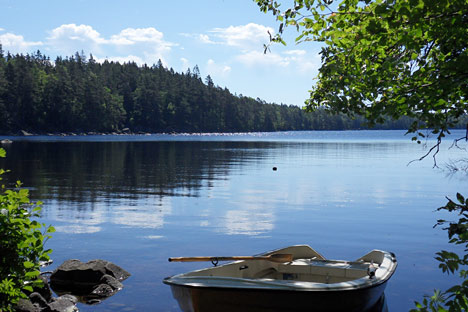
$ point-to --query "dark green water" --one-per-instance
(137, 200)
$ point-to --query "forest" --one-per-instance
(79, 94)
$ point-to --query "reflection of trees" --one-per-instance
(87, 184)
(131, 183)
(88, 172)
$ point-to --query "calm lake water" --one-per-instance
(137, 200)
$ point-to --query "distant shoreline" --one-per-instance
(22, 133)
(6, 139)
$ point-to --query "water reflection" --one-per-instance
(150, 213)
(140, 184)
(140, 202)
(93, 171)
(146, 218)
(77, 229)
(253, 215)
(132, 183)
(248, 222)
(380, 306)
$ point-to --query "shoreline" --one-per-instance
(23, 133)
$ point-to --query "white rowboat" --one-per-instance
(307, 283)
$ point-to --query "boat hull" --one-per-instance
(206, 299)
(308, 283)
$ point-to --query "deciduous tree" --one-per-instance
(386, 58)
(393, 58)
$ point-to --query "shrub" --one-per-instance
(22, 244)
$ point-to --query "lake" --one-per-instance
(137, 200)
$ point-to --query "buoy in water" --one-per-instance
(274, 168)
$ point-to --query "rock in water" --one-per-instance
(117, 272)
(111, 281)
(37, 299)
(64, 303)
(99, 278)
(103, 291)
(25, 305)
(36, 303)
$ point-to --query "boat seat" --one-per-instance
(332, 268)
(270, 272)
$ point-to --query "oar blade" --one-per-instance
(281, 258)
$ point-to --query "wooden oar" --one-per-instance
(280, 258)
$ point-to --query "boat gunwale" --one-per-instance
(280, 285)
(276, 285)
(278, 289)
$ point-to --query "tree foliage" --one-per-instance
(22, 244)
(76, 94)
(386, 58)
(393, 58)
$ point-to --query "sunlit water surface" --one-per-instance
(137, 200)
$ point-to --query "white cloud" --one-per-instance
(217, 70)
(245, 37)
(146, 41)
(70, 38)
(304, 62)
(121, 59)
(255, 58)
(248, 41)
(298, 60)
(17, 43)
(205, 39)
(141, 45)
(131, 36)
(185, 63)
(75, 32)
(295, 52)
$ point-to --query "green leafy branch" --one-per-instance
(22, 240)
(397, 58)
(455, 298)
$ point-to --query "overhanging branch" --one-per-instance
(436, 147)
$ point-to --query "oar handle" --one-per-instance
(280, 258)
(193, 259)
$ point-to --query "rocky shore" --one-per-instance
(125, 131)
(73, 282)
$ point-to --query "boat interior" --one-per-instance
(307, 266)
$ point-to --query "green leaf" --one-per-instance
(299, 37)
(32, 274)
(28, 264)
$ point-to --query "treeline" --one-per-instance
(76, 94)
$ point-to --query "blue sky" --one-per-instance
(223, 37)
